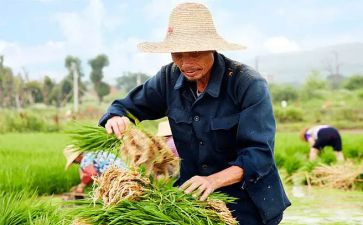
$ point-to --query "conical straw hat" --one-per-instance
(164, 129)
(70, 153)
(190, 28)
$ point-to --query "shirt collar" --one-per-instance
(214, 84)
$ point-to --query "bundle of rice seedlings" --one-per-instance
(116, 185)
(90, 138)
(341, 176)
(137, 148)
(141, 148)
(150, 201)
(145, 193)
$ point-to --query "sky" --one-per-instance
(37, 35)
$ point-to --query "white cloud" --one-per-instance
(19, 57)
(84, 30)
(280, 44)
(91, 31)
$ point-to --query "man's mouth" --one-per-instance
(191, 73)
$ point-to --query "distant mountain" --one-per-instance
(293, 67)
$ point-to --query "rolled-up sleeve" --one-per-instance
(255, 133)
(145, 102)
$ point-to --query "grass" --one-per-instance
(35, 162)
(32, 164)
(25, 208)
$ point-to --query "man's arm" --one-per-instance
(146, 101)
(86, 178)
(205, 185)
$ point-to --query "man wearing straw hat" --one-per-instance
(220, 115)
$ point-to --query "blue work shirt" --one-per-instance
(230, 123)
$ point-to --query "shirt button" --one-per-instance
(201, 143)
(196, 118)
(204, 166)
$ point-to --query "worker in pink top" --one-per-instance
(165, 131)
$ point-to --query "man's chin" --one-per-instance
(191, 78)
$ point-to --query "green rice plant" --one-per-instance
(352, 146)
(35, 162)
(162, 203)
(87, 137)
(293, 163)
(279, 159)
(310, 165)
(328, 156)
(25, 208)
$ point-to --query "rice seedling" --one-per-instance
(145, 193)
(149, 201)
(341, 176)
(24, 208)
(137, 148)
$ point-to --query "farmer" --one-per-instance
(220, 114)
(91, 164)
(321, 136)
(165, 131)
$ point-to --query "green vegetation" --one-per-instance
(97, 64)
(34, 163)
(291, 154)
(162, 203)
(26, 208)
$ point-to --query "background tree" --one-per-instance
(48, 85)
(7, 95)
(313, 86)
(283, 93)
(354, 82)
(1, 80)
(97, 64)
(130, 80)
(35, 89)
(69, 60)
(20, 91)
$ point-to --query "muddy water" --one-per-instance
(323, 206)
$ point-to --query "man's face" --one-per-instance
(194, 65)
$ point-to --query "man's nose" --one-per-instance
(187, 59)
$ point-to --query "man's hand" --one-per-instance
(78, 188)
(206, 185)
(200, 186)
(117, 125)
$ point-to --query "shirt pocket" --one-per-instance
(224, 130)
(180, 124)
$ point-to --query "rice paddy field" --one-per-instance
(32, 175)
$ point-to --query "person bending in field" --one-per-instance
(321, 136)
(91, 164)
(165, 131)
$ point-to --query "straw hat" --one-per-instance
(190, 28)
(70, 153)
(164, 129)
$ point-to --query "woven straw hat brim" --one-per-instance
(189, 45)
(190, 29)
(70, 153)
